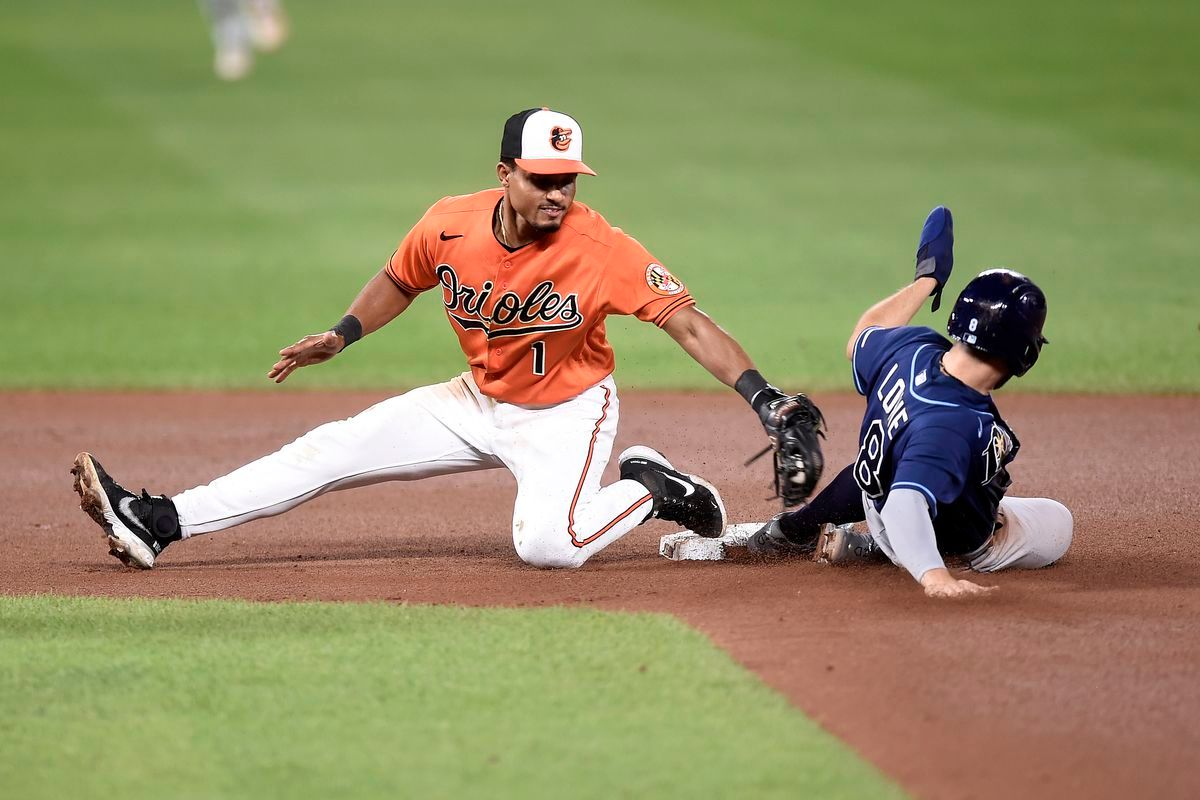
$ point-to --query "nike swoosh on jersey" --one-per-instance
(446, 238)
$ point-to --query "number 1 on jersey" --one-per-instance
(539, 358)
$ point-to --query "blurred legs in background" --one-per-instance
(239, 28)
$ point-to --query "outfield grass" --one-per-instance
(160, 229)
(137, 698)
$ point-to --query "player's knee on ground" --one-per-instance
(546, 548)
(1036, 533)
(1058, 530)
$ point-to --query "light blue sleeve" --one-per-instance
(910, 532)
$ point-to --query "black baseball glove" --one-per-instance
(795, 427)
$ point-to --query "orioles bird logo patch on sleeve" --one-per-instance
(560, 138)
(662, 282)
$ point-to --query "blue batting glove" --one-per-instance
(935, 252)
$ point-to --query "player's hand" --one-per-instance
(940, 583)
(312, 349)
(935, 251)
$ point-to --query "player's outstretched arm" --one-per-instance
(792, 423)
(379, 302)
(935, 260)
(709, 345)
(893, 311)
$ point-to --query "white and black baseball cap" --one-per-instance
(544, 142)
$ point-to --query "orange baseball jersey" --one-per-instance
(531, 321)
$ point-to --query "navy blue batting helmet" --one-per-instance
(1001, 313)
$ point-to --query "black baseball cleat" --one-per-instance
(138, 528)
(678, 497)
(772, 542)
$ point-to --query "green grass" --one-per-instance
(138, 698)
(158, 229)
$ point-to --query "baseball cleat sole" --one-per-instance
(123, 544)
(840, 544)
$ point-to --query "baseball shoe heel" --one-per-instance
(233, 53)
(679, 497)
(770, 541)
(639, 458)
(842, 544)
(233, 64)
(128, 520)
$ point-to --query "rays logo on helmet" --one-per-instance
(662, 282)
(560, 138)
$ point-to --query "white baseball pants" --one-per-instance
(1031, 532)
(557, 454)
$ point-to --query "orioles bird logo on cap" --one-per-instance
(560, 138)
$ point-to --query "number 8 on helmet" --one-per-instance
(1001, 313)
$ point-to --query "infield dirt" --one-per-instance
(1079, 680)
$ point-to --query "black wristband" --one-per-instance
(350, 329)
(751, 385)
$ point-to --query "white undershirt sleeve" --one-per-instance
(910, 532)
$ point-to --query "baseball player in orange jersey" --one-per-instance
(527, 276)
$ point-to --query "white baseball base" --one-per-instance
(687, 546)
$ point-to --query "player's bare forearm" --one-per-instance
(709, 345)
(893, 311)
(379, 302)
